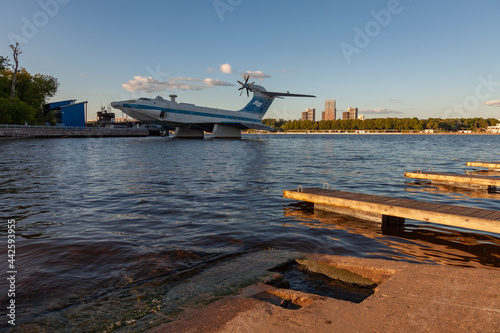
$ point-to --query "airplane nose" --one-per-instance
(116, 105)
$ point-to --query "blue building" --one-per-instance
(68, 113)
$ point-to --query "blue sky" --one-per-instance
(389, 58)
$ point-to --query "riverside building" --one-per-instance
(309, 114)
(330, 110)
(494, 129)
(351, 113)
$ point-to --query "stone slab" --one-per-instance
(410, 298)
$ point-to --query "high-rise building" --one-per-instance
(351, 113)
(309, 114)
(330, 110)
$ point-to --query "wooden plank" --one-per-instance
(473, 220)
(457, 210)
(426, 205)
(481, 214)
(469, 210)
(465, 212)
(490, 165)
(455, 178)
(491, 216)
(494, 216)
(441, 209)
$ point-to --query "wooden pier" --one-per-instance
(489, 165)
(475, 182)
(389, 210)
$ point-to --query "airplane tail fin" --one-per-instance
(259, 104)
(262, 99)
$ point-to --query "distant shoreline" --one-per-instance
(368, 133)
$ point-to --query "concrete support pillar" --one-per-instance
(226, 132)
(188, 133)
(392, 223)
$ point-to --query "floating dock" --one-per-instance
(388, 210)
(489, 165)
(476, 182)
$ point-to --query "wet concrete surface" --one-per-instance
(407, 298)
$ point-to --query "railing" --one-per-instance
(40, 126)
(64, 127)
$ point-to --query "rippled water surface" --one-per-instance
(97, 218)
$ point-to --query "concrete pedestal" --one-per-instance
(226, 132)
(188, 133)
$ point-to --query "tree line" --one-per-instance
(378, 124)
(22, 95)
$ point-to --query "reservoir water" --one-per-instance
(106, 225)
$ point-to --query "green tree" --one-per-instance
(16, 52)
(399, 124)
(35, 90)
(32, 90)
(4, 63)
(15, 111)
(493, 121)
(23, 89)
(5, 83)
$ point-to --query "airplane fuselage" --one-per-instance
(174, 114)
(190, 120)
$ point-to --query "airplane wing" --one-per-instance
(279, 94)
(241, 125)
(257, 126)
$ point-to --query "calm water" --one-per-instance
(97, 218)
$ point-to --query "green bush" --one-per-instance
(16, 112)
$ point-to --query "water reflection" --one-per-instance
(451, 192)
(105, 224)
(415, 241)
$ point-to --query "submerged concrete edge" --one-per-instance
(409, 297)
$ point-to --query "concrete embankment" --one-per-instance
(368, 132)
(55, 132)
(407, 298)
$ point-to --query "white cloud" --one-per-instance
(226, 69)
(139, 83)
(219, 83)
(148, 84)
(493, 103)
(379, 111)
(211, 69)
(256, 75)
